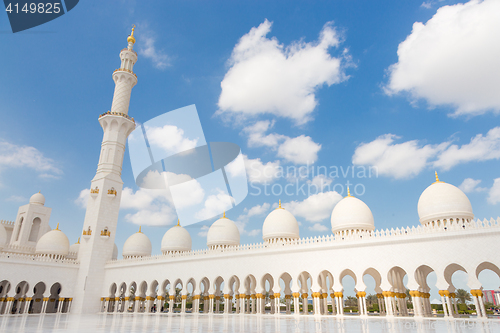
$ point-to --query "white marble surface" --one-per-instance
(125, 323)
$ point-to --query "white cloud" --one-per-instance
(470, 185)
(267, 77)
(14, 156)
(83, 198)
(16, 198)
(214, 205)
(170, 138)
(259, 172)
(397, 160)
(320, 181)
(147, 49)
(154, 216)
(480, 148)
(204, 231)
(408, 159)
(316, 207)
(452, 59)
(494, 193)
(318, 227)
(299, 150)
(242, 220)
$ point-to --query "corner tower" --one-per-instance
(99, 227)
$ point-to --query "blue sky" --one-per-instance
(337, 83)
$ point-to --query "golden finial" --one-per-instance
(140, 228)
(437, 178)
(279, 205)
(131, 38)
(178, 223)
(57, 228)
(78, 241)
(224, 215)
(348, 192)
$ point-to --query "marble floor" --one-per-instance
(148, 323)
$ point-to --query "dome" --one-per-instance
(53, 242)
(137, 245)
(3, 237)
(351, 213)
(176, 239)
(442, 201)
(115, 252)
(37, 199)
(280, 224)
(74, 249)
(223, 232)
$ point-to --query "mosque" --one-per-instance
(40, 272)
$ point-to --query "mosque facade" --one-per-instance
(40, 272)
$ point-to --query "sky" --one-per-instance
(335, 88)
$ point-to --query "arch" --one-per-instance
(395, 277)
(37, 299)
(234, 285)
(375, 274)
(20, 293)
(421, 275)
(250, 284)
(487, 265)
(4, 290)
(132, 292)
(204, 290)
(35, 229)
(450, 270)
(53, 303)
(285, 284)
(120, 307)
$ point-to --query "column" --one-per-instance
(325, 303)
(137, 304)
(61, 304)
(271, 301)
(44, 304)
(334, 304)
(381, 304)
(227, 303)
(443, 302)
(254, 303)
(183, 303)
(454, 302)
(277, 304)
(159, 304)
(243, 297)
(258, 297)
(288, 304)
(449, 305)
(26, 305)
(171, 299)
(211, 298)
(305, 304)
(70, 301)
(340, 303)
(3, 300)
(416, 303)
(388, 304)
(236, 303)
(296, 309)
(315, 297)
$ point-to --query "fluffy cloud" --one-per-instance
(298, 150)
(452, 59)
(397, 160)
(316, 207)
(82, 199)
(147, 49)
(170, 138)
(318, 227)
(242, 220)
(14, 156)
(267, 77)
(480, 148)
(261, 173)
(408, 159)
(470, 185)
(320, 181)
(214, 204)
(494, 193)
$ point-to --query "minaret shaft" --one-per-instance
(99, 228)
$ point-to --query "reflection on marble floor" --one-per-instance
(142, 323)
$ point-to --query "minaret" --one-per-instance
(99, 227)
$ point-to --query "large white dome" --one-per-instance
(223, 232)
(137, 245)
(74, 248)
(37, 199)
(442, 201)
(350, 213)
(280, 224)
(176, 239)
(3, 237)
(53, 242)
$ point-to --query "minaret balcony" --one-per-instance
(87, 233)
(112, 193)
(105, 233)
(125, 70)
(94, 192)
(117, 114)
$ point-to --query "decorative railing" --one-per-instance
(126, 49)
(357, 236)
(125, 70)
(18, 248)
(38, 258)
(117, 114)
(5, 222)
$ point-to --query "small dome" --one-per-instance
(350, 213)
(176, 239)
(73, 250)
(137, 245)
(223, 232)
(53, 242)
(37, 199)
(280, 224)
(3, 237)
(442, 201)
(115, 252)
